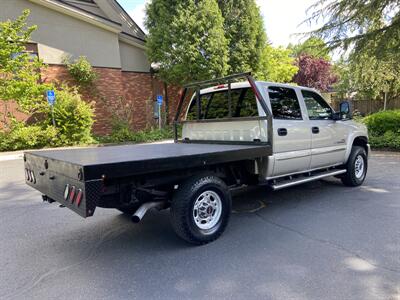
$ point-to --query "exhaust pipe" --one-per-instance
(142, 210)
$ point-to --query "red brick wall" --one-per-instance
(138, 92)
(113, 88)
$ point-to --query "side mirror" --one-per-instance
(344, 109)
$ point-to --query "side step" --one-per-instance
(287, 183)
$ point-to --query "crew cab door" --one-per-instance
(291, 137)
(328, 146)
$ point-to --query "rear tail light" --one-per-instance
(72, 193)
(79, 197)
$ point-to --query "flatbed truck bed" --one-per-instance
(106, 176)
(131, 160)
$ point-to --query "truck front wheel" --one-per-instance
(200, 209)
(356, 166)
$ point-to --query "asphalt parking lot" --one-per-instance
(316, 241)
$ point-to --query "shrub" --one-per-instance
(124, 134)
(81, 70)
(389, 140)
(381, 122)
(121, 131)
(384, 129)
(28, 137)
(73, 118)
(152, 135)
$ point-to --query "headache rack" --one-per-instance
(228, 80)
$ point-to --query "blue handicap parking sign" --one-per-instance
(51, 97)
(159, 99)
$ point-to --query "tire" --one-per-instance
(356, 170)
(200, 209)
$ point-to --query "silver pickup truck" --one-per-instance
(233, 134)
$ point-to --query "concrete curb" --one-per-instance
(14, 156)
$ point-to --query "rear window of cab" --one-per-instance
(215, 105)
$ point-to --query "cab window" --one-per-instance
(317, 108)
(284, 103)
(216, 105)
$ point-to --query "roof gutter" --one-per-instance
(79, 14)
(131, 40)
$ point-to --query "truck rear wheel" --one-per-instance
(200, 209)
(356, 166)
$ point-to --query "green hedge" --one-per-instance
(384, 129)
(28, 137)
(389, 140)
(381, 122)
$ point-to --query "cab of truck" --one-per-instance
(308, 135)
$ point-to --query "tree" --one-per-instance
(369, 77)
(313, 46)
(19, 72)
(186, 39)
(315, 72)
(277, 65)
(353, 24)
(244, 30)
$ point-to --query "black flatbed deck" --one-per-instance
(131, 160)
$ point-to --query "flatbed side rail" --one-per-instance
(197, 86)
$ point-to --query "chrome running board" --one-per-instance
(291, 182)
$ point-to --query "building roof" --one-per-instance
(101, 12)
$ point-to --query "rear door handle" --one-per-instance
(282, 131)
(315, 130)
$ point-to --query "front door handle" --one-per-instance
(282, 131)
(315, 130)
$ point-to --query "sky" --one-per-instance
(282, 18)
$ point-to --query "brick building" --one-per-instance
(113, 43)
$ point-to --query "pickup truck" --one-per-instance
(233, 134)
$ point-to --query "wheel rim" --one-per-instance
(207, 210)
(359, 166)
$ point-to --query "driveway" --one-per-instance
(316, 241)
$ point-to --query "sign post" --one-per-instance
(159, 102)
(51, 99)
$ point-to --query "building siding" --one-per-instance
(133, 58)
(59, 35)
